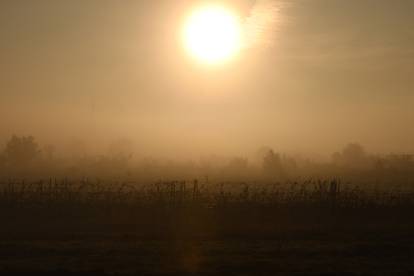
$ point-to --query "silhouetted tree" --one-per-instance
(353, 152)
(272, 163)
(21, 150)
(352, 155)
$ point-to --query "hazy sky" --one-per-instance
(319, 74)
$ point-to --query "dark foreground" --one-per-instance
(322, 232)
(316, 254)
(104, 249)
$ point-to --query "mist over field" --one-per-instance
(205, 137)
(334, 73)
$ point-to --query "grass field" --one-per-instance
(178, 228)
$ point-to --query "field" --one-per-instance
(233, 137)
(317, 227)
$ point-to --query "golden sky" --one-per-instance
(316, 75)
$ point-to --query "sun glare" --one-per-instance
(212, 34)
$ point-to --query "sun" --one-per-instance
(212, 34)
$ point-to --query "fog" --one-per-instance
(315, 76)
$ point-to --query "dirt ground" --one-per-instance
(294, 253)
